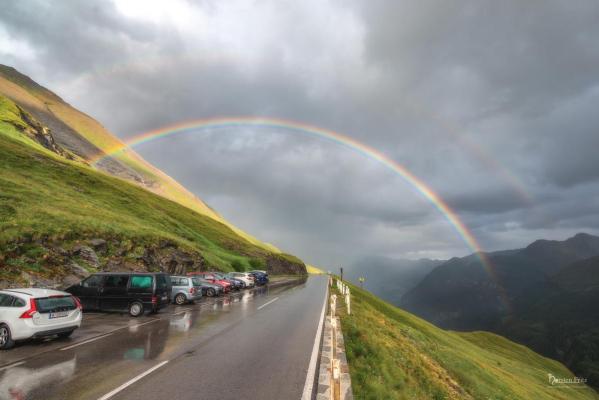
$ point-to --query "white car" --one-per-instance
(244, 277)
(36, 313)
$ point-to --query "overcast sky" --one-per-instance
(494, 104)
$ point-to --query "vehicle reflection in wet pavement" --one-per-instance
(98, 359)
(19, 382)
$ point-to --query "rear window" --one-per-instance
(50, 304)
(141, 282)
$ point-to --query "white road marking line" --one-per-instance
(12, 365)
(183, 311)
(132, 381)
(85, 342)
(142, 324)
(311, 374)
(265, 304)
(106, 335)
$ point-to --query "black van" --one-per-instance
(124, 291)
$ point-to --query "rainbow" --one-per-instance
(336, 137)
(217, 56)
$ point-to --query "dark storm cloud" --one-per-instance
(491, 103)
(71, 37)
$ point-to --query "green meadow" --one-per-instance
(393, 354)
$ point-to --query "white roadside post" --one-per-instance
(333, 305)
(336, 379)
(348, 301)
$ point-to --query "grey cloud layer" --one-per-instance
(470, 96)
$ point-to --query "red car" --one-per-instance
(212, 279)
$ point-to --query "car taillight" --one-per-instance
(192, 290)
(32, 310)
(78, 303)
(154, 299)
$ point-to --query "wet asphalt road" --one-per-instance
(255, 344)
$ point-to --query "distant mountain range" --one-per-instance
(390, 278)
(545, 296)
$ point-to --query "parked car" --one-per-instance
(210, 277)
(37, 313)
(245, 277)
(124, 291)
(210, 289)
(236, 284)
(260, 272)
(185, 289)
(261, 279)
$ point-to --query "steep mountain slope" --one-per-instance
(461, 294)
(390, 278)
(393, 354)
(88, 139)
(544, 296)
(561, 319)
(61, 219)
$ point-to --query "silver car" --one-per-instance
(245, 277)
(185, 289)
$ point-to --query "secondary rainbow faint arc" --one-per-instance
(346, 141)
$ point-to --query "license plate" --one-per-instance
(61, 314)
(164, 297)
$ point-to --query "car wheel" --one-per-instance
(6, 341)
(210, 292)
(136, 309)
(180, 299)
(65, 334)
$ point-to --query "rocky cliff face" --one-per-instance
(283, 264)
(61, 264)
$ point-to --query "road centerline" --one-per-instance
(132, 381)
(86, 341)
(12, 365)
(265, 304)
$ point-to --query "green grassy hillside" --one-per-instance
(393, 354)
(29, 94)
(49, 205)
